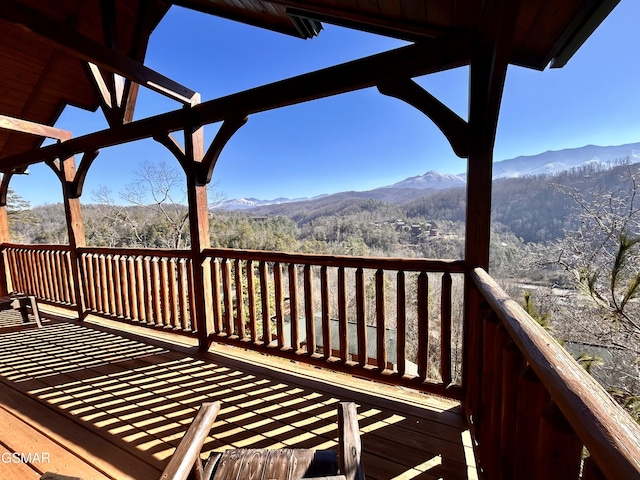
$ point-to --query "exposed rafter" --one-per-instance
(72, 42)
(117, 98)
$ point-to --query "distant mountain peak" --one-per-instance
(550, 162)
(556, 161)
(431, 180)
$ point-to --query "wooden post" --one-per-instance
(75, 228)
(491, 49)
(199, 230)
(5, 235)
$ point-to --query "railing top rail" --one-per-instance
(608, 432)
(406, 264)
(136, 252)
(37, 246)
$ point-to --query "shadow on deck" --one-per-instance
(108, 404)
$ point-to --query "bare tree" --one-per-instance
(161, 189)
(601, 259)
(602, 256)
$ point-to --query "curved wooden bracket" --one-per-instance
(4, 188)
(229, 127)
(454, 128)
(74, 188)
(174, 147)
(55, 166)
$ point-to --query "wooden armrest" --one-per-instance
(350, 448)
(188, 451)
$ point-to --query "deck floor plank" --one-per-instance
(116, 398)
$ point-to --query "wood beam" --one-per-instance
(450, 124)
(32, 128)
(413, 60)
(84, 48)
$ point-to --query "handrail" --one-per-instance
(36, 246)
(386, 263)
(137, 252)
(609, 433)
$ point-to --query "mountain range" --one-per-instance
(548, 163)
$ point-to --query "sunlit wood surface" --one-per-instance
(107, 404)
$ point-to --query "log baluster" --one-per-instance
(343, 325)
(237, 273)
(164, 291)
(532, 397)
(324, 312)
(293, 307)
(192, 297)
(401, 321)
(174, 304)
(156, 288)
(266, 309)
(110, 277)
(361, 317)
(423, 325)
(445, 329)
(148, 290)
(279, 303)
(253, 316)
(186, 320)
(381, 322)
(140, 288)
(559, 449)
(512, 365)
(227, 297)
(310, 331)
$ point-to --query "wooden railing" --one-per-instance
(150, 286)
(398, 320)
(368, 316)
(533, 408)
(40, 270)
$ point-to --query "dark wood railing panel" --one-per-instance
(548, 437)
(352, 312)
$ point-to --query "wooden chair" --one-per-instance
(22, 302)
(283, 464)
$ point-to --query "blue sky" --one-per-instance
(360, 140)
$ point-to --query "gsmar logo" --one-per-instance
(22, 457)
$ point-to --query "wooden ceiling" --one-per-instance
(45, 44)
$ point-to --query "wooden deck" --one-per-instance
(89, 401)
